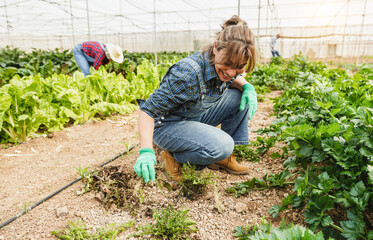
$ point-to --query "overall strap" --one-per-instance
(198, 70)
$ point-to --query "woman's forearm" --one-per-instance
(238, 82)
(146, 128)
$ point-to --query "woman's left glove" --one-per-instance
(144, 166)
(249, 97)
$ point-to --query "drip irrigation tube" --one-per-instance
(61, 189)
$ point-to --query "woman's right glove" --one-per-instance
(144, 166)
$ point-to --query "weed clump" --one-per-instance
(194, 183)
(113, 185)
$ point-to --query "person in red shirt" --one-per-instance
(95, 54)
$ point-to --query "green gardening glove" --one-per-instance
(144, 165)
(249, 97)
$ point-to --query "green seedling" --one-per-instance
(169, 224)
(128, 146)
(87, 179)
(24, 207)
(141, 196)
(194, 183)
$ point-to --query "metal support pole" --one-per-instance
(72, 22)
(361, 33)
(239, 8)
(155, 34)
(6, 20)
(258, 37)
(344, 33)
(121, 23)
(265, 46)
(89, 28)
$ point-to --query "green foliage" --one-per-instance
(169, 224)
(242, 152)
(266, 231)
(325, 116)
(38, 97)
(35, 105)
(87, 179)
(270, 76)
(46, 63)
(355, 227)
(269, 180)
(79, 231)
(254, 150)
(262, 90)
(277, 61)
(316, 211)
(194, 183)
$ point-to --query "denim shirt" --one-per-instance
(181, 90)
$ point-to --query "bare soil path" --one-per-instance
(32, 170)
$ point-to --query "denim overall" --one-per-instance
(192, 136)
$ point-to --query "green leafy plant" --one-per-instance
(24, 207)
(325, 118)
(87, 179)
(194, 183)
(47, 98)
(246, 152)
(269, 180)
(127, 145)
(169, 224)
(79, 231)
(265, 230)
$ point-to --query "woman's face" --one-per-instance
(225, 71)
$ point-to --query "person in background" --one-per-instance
(274, 45)
(93, 53)
(196, 95)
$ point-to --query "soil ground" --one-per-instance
(34, 169)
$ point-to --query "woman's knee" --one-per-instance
(222, 149)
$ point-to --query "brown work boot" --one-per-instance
(173, 167)
(231, 165)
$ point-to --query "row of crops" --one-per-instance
(325, 117)
(46, 63)
(35, 102)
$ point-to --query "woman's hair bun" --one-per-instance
(234, 20)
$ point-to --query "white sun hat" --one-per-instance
(115, 52)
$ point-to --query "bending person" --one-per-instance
(93, 53)
(197, 94)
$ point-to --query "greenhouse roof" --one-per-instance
(67, 17)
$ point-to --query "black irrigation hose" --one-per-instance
(61, 189)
